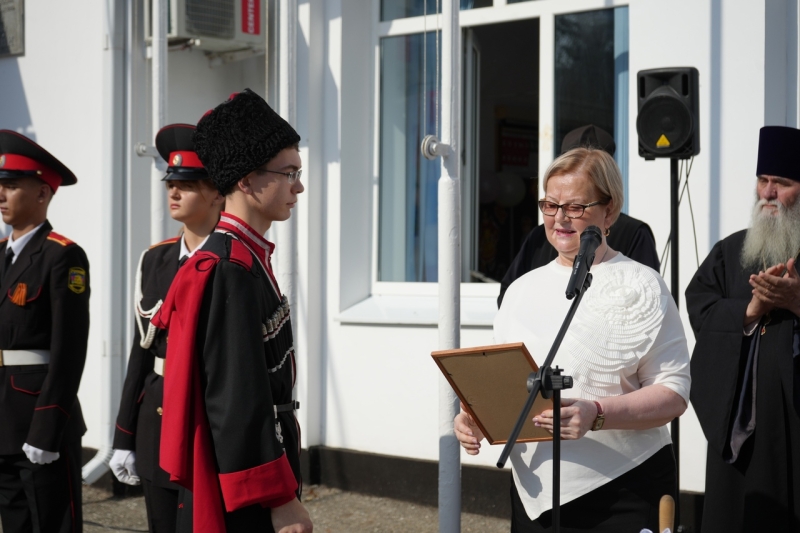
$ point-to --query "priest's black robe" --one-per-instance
(760, 491)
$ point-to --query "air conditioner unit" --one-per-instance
(213, 25)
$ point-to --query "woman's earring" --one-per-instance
(607, 232)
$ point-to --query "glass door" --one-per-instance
(506, 143)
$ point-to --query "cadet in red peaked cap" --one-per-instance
(194, 200)
(44, 328)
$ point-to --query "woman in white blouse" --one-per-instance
(626, 351)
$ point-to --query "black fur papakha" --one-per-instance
(240, 135)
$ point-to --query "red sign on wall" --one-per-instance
(251, 17)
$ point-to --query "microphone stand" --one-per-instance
(549, 382)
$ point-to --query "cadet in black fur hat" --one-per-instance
(44, 330)
(239, 136)
(238, 456)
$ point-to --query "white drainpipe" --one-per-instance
(450, 266)
(111, 269)
(158, 66)
(285, 233)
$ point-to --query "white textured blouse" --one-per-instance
(627, 334)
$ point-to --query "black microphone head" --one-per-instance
(592, 232)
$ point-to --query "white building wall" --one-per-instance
(705, 35)
(53, 94)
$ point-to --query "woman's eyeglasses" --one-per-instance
(570, 210)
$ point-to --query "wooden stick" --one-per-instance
(666, 513)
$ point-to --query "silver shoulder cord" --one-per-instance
(283, 299)
(146, 339)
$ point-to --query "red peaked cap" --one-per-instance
(175, 145)
(20, 157)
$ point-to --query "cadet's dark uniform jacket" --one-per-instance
(44, 305)
(139, 419)
(229, 436)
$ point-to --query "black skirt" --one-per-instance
(626, 504)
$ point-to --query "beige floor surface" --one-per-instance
(332, 511)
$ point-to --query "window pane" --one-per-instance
(584, 72)
(407, 239)
(508, 144)
(398, 9)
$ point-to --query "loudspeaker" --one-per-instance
(668, 123)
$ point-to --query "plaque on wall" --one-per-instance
(12, 27)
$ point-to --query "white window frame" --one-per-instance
(416, 302)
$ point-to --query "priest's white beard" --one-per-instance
(773, 237)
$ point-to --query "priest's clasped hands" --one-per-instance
(776, 288)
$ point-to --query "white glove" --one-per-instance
(123, 464)
(39, 457)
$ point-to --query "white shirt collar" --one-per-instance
(185, 249)
(17, 245)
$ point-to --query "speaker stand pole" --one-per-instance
(674, 271)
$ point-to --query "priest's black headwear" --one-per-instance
(777, 152)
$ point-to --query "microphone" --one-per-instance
(591, 239)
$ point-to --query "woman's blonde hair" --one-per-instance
(599, 166)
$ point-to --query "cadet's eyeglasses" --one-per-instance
(291, 176)
(570, 210)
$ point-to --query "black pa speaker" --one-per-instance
(669, 121)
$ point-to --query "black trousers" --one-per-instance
(42, 498)
(162, 507)
(626, 504)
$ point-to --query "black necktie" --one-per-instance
(7, 263)
(182, 260)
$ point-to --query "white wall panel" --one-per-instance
(53, 94)
(706, 35)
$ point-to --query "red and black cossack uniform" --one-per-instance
(230, 437)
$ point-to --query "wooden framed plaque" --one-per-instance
(491, 383)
